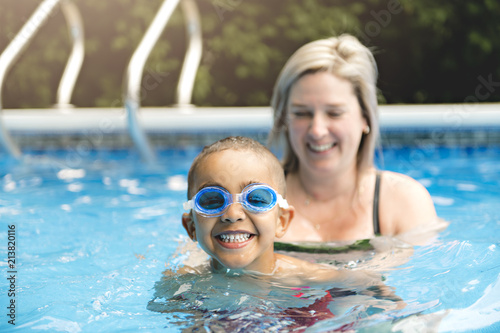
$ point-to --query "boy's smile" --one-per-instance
(237, 239)
(234, 239)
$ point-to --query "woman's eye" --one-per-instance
(302, 114)
(334, 113)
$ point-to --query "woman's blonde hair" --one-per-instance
(344, 57)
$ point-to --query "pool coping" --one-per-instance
(442, 123)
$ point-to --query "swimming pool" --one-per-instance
(94, 233)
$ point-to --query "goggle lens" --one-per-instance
(260, 198)
(211, 200)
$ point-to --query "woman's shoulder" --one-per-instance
(404, 203)
(402, 186)
(399, 181)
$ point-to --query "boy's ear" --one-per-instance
(284, 219)
(189, 225)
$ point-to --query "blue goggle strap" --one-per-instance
(282, 202)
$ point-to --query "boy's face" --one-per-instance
(252, 247)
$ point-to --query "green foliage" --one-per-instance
(427, 51)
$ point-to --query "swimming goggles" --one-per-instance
(213, 201)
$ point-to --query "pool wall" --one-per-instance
(443, 124)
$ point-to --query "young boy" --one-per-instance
(237, 208)
(236, 188)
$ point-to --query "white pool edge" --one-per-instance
(453, 117)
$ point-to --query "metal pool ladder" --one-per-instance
(135, 68)
(19, 43)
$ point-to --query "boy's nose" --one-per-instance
(234, 213)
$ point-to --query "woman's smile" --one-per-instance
(321, 148)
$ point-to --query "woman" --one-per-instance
(325, 107)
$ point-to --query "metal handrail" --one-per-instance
(193, 53)
(133, 77)
(19, 43)
(135, 68)
(75, 60)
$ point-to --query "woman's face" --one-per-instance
(325, 123)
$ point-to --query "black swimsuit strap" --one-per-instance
(376, 222)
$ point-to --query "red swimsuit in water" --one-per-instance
(318, 311)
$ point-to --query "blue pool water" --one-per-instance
(94, 232)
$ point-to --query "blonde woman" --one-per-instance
(325, 110)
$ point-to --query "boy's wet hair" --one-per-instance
(239, 143)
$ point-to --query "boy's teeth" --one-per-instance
(234, 238)
(320, 148)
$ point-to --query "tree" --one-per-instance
(427, 51)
